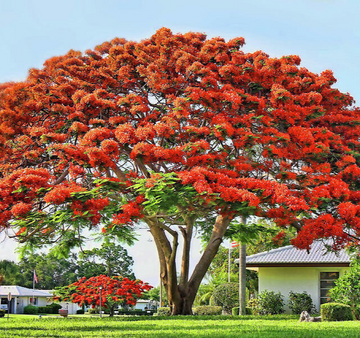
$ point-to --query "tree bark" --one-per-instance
(242, 279)
(181, 295)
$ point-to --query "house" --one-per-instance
(71, 307)
(290, 269)
(146, 304)
(21, 297)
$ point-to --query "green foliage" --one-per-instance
(30, 310)
(53, 271)
(163, 311)
(347, 289)
(93, 311)
(253, 304)
(165, 193)
(335, 312)
(43, 309)
(299, 302)
(110, 260)
(268, 303)
(54, 308)
(227, 296)
(80, 312)
(207, 310)
(2, 313)
(154, 294)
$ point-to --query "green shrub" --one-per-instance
(267, 303)
(163, 311)
(347, 289)
(30, 310)
(235, 311)
(299, 302)
(207, 310)
(54, 308)
(335, 312)
(2, 313)
(43, 309)
(227, 296)
(93, 311)
(80, 312)
(253, 305)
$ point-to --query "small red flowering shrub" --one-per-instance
(116, 290)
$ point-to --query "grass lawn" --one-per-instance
(201, 326)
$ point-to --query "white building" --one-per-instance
(21, 297)
(290, 269)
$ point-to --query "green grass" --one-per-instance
(183, 326)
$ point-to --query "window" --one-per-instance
(4, 301)
(34, 301)
(327, 282)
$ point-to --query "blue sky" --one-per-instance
(324, 33)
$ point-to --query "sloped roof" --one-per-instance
(20, 291)
(291, 255)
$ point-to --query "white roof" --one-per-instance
(143, 301)
(20, 291)
(292, 255)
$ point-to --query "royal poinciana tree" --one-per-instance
(176, 132)
(115, 290)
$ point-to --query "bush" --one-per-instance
(54, 308)
(347, 289)
(335, 312)
(30, 310)
(227, 296)
(235, 311)
(43, 309)
(80, 312)
(267, 303)
(299, 302)
(163, 311)
(93, 311)
(253, 305)
(2, 313)
(207, 310)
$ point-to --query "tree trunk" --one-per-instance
(181, 296)
(242, 275)
(242, 279)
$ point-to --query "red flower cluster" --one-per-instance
(115, 289)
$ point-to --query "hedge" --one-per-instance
(335, 312)
(207, 310)
(31, 310)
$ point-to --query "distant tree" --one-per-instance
(116, 290)
(154, 294)
(10, 273)
(51, 270)
(110, 259)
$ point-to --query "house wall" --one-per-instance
(141, 306)
(71, 307)
(296, 279)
